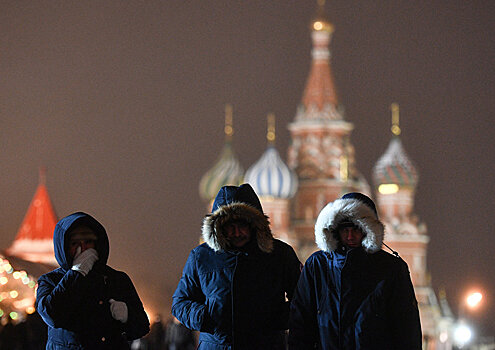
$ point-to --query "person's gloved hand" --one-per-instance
(118, 310)
(83, 262)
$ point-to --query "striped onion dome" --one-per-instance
(226, 171)
(395, 167)
(270, 176)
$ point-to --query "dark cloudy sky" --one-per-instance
(123, 102)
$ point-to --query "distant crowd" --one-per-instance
(31, 334)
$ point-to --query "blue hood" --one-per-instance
(60, 238)
(236, 203)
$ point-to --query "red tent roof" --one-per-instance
(34, 240)
(40, 219)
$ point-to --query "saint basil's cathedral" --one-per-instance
(321, 168)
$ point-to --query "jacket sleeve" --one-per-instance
(57, 302)
(292, 271)
(404, 311)
(303, 327)
(137, 324)
(188, 301)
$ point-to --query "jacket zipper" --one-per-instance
(232, 299)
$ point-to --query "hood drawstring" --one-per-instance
(393, 251)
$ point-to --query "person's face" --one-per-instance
(238, 233)
(351, 236)
(81, 236)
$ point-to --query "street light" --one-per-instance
(462, 334)
(474, 299)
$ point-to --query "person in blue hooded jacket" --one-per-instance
(236, 287)
(351, 294)
(86, 303)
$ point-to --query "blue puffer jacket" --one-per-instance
(76, 308)
(237, 298)
(359, 298)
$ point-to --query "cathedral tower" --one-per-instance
(395, 178)
(320, 152)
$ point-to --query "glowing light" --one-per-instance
(24, 303)
(474, 299)
(30, 310)
(444, 336)
(388, 188)
(31, 284)
(25, 280)
(14, 294)
(16, 275)
(8, 268)
(14, 315)
(318, 25)
(462, 334)
(3, 280)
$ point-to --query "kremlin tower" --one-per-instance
(321, 168)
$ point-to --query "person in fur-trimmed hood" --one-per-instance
(235, 286)
(351, 294)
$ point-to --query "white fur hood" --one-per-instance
(353, 210)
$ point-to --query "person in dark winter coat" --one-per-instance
(352, 294)
(85, 303)
(236, 287)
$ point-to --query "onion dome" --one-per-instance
(270, 176)
(394, 167)
(227, 169)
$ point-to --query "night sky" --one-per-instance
(123, 103)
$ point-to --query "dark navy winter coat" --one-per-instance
(237, 298)
(76, 307)
(368, 304)
(359, 298)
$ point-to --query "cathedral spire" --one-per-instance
(229, 122)
(320, 88)
(270, 133)
(394, 107)
(227, 170)
(394, 169)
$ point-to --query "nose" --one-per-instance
(349, 234)
(237, 231)
(84, 246)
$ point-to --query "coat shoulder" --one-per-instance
(317, 258)
(390, 261)
(279, 245)
(52, 276)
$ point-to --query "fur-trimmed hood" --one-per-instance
(349, 208)
(236, 203)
